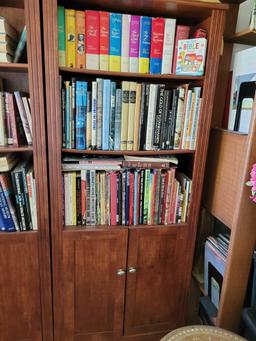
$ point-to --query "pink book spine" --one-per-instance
(113, 198)
(182, 32)
(134, 35)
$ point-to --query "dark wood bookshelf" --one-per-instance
(121, 247)
(14, 67)
(17, 149)
(131, 74)
(128, 152)
(247, 37)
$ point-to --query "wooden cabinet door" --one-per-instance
(20, 317)
(93, 292)
(155, 283)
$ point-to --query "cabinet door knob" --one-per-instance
(120, 272)
(132, 270)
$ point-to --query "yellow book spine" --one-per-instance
(70, 17)
(104, 62)
(80, 39)
(137, 118)
(124, 114)
(115, 63)
(144, 65)
(189, 130)
(131, 114)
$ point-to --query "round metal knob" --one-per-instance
(120, 272)
(132, 270)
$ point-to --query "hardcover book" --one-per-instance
(92, 46)
(182, 32)
(126, 20)
(104, 41)
(191, 57)
(70, 18)
(61, 36)
(134, 43)
(156, 49)
(115, 32)
(145, 39)
(80, 39)
(169, 36)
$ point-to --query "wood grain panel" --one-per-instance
(93, 293)
(224, 173)
(156, 288)
(20, 317)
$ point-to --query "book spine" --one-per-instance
(132, 101)
(35, 225)
(146, 196)
(168, 47)
(173, 115)
(29, 180)
(126, 20)
(141, 114)
(23, 116)
(186, 120)
(99, 112)
(123, 196)
(150, 198)
(135, 198)
(83, 196)
(98, 196)
(80, 39)
(179, 117)
(63, 114)
(10, 113)
(78, 200)
(26, 196)
(113, 198)
(7, 189)
(92, 36)
(73, 112)
(8, 122)
(182, 32)
(106, 114)
(89, 120)
(158, 116)
(137, 118)
(124, 114)
(20, 46)
(161, 198)
(94, 115)
(197, 91)
(144, 164)
(67, 114)
(3, 122)
(73, 197)
(20, 201)
(151, 116)
(157, 195)
(93, 196)
(104, 41)
(144, 118)
(191, 116)
(61, 36)
(153, 197)
(28, 114)
(134, 43)
(127, 197)
(118, 111)
(7, 219)
(131, 199)
(141, 197)
(81, 94)
(70, 19)
(112, 115)
(156, 48)
(164, 208)
(66, 200)
(88, 198)
(115, 32)
(145, 39)
(164, 127)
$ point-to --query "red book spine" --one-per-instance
(11, 112)
(113, 198)
(83, 200)
(138, 199)
(182, 32)
(131, 199)
(104, 33)
(200, 33)
(153, 198)
(172, 202)
(165, 196)
(92, 24)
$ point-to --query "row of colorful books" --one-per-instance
(128, 43)
(11, 49)
(105, 115)
(109, 192)
(15, 119)
(17, 195)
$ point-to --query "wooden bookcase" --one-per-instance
(225, 195)
(25, 280)
(90, 300)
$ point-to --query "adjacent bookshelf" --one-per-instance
(25, 292)
(107, 258)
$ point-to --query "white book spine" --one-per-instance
(66, 198)
(151, 115)
(126, 19)
(186, 121)
(134, 64)
(94, 114)
(23, 116)
(34, 203)
(99, 112)
(193, 143)
(3, 139)
(195, 119)
(28, 113)
(169, 36)
(92, 61)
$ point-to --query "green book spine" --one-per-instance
(146, 196)
(61, 36)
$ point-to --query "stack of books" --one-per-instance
(106, 115)
(15, 119)
(8, 41)
(134, 191)
(17, 195)
(128, 43)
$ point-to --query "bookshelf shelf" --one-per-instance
(12, 149)
(14, 67)
(128, 152)
(130, 74)
(247, 37)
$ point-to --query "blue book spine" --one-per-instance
(145, 39)
(106, 114)
(81, 101)
(115, 34)
(112, 116)
(118, 109)
(6, 221)
(68, 123)
(135, 201)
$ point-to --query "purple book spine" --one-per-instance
(134, 35)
